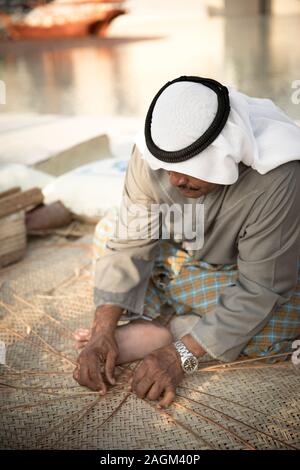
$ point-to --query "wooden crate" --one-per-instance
(12, 222)
(12, 238)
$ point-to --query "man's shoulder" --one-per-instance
(137, 164)
(139, 175)
(283, 174)
(141, 169)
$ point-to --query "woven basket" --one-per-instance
(12, 238)
(45, 298)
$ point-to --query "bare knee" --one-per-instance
(163, 331)
(142, 329)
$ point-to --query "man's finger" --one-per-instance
(95, 375)
(168, 397)
(80, 344)
(76, 374)
(82, 335)
(138, 374)
(84, 378)
(142, 387)
(155, 391)
(110, 367)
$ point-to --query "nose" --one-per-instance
(177, 179)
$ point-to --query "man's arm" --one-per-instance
(268, 264)
(193, 346)
(121, 279)
(123, 272)
(101, 348)
(161, 372)
(268, 268)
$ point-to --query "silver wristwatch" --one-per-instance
(189, 362)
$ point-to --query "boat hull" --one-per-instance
(95, 27)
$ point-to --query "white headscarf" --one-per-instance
(257, 133)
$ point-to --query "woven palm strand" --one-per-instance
(47, 296)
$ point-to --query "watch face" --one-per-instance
(190, 364)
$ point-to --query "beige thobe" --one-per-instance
(254, 223)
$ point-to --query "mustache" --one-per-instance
(187, 187)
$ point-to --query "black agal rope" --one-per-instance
(209, 135)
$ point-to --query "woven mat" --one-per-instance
(50, 294)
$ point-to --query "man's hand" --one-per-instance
(101, 349)
(159, 374)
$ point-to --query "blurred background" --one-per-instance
(77, 77)
(249, 44)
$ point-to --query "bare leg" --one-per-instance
(135, 340)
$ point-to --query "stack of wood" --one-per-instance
(13, 204)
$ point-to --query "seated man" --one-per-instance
(236, 157)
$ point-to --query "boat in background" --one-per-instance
(61, 18)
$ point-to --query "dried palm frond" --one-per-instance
(256, 406)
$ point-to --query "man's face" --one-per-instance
(189, 186)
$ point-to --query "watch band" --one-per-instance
(189, 362)
(182, 349)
